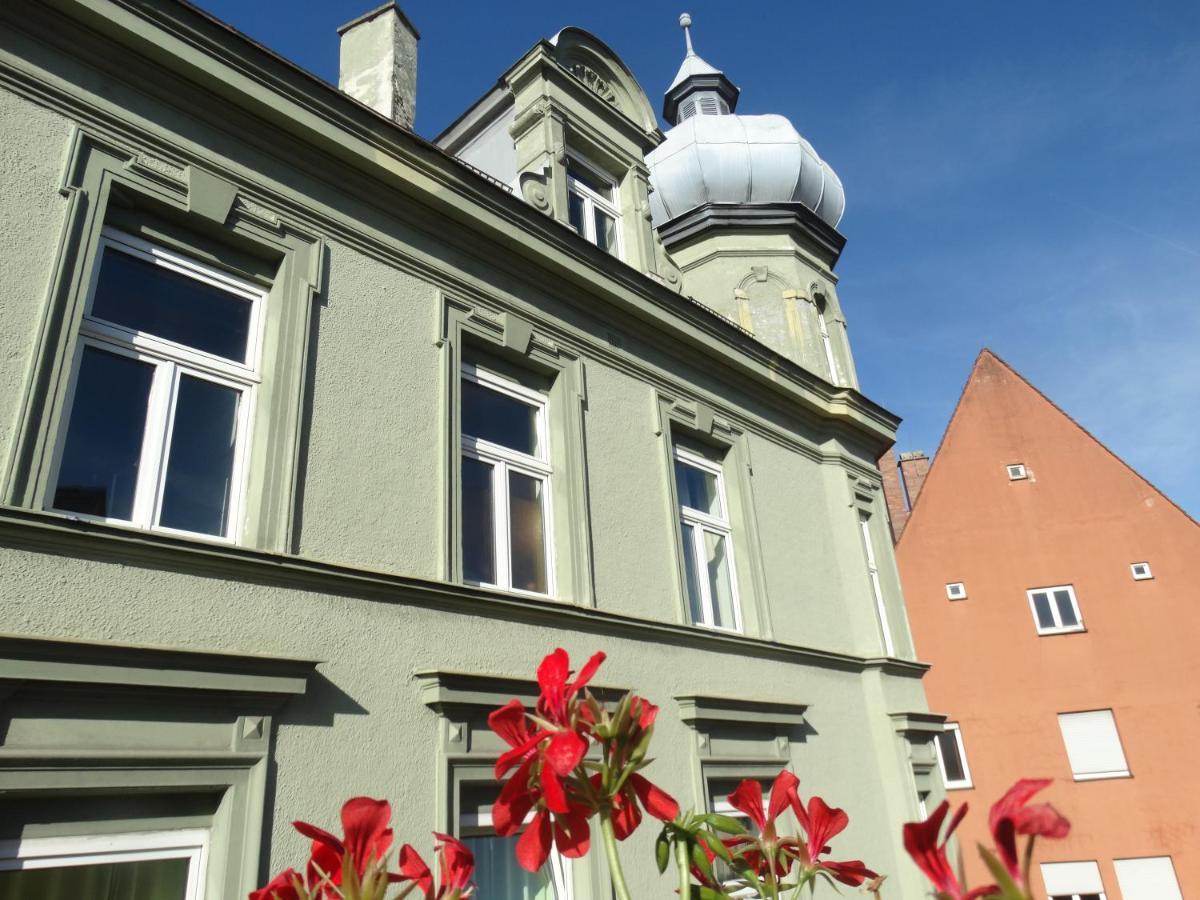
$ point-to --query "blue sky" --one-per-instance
(1023, 175)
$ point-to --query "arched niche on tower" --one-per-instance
(765, 304)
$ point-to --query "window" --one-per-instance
(1055, 610)
(826, 342)
(956, 590)
(167, 865)
(161, 394)
(719, 790)
(707, 541)
(1141, 571)
(1017, 472)
(1073, 881)
(1093, 745)
(505, 484)
(952, 757)
(592, 207)
(1149, 878)
(864, 524)
(496, 869)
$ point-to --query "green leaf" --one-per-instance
(1009, 889)
(727, 824)
(707, 893)
(713, 843)
(700, 861)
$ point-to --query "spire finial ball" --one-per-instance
(685, 20)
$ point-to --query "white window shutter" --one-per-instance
(1093, 745)
(1152, 878)
(1072, 878)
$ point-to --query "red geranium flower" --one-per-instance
(367, 838)
(921, 842)
(1011, 816)
(637, 792)
(821, 824)
(767, 845)
(281, 887)
(456, 865)
(554, 704)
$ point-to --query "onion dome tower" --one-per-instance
(748, 211)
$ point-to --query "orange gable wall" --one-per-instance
(1081, 518)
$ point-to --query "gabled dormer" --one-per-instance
(568, 128)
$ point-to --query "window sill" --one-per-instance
(1058, 631)
(963, 786)
(124, 525)
(1102, 776)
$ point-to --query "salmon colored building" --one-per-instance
(1057, 594)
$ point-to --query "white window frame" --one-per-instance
(1125, 876)
(1147, 575)
(1058, 627)
(480, 825)
(1017, 472)
(171, 360)
(827, 343)
(885, 631)
(956, 590)
(693, 524)
(191, 844)
(965, 782)
(1075, 866)
(593, 201)
(504, 460)
(723, 807)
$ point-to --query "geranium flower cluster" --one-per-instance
(555, 789)
(355, 866)
(1010, 816)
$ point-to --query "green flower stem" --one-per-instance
(614, 860)
(684, 866)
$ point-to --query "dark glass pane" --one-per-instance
(950, 758)
(160, 301)
(590, 180)
(695, 600)
(152, 879)
(606, 232)
(528, 533)
(575, 212)
(697, 489)
(492, 416)
(500, 876)
(1066, 609)
(199, 480)
(1041, 604)
(478, 527)
(99, 468)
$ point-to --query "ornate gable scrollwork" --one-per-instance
(595, 82)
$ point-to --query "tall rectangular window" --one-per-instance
(166, 865)
(1093, 744)
(1055, 610)
(707, 541)
(505, 484)
(161, 393)
(827, 343)
(592, 206)
(496, 869)
(952, 757)
(1073, 881)
(864, 524)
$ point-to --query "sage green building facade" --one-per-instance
(184, 671)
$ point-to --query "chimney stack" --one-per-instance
(379, 62)
(902, 482)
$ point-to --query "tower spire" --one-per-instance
(685, 22)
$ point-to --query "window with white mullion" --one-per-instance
(1055, 609)
(876, 589)
(591, 207)
(157, 422)
(707, 542)
(505, 486)
(497, 872)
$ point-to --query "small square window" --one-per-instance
(1141, 571)
(952, 757)
(1017, 472)
(1055, 609)
(956, 590)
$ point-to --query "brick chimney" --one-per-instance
(902, 482)
(379, 62)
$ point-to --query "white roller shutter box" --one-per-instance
(1151, 878)
(1069, 878)
(1093, 745)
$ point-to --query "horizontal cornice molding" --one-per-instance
(814, 232)
(698, 708)
(441, 690)
(42, 532)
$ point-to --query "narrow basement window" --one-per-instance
(1017, 472)
(956, 590)
(1141, 571)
